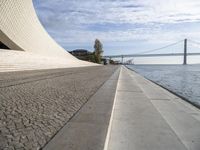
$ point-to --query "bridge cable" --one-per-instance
(194, 42)
(153, 50)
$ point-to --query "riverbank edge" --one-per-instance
(172, 92)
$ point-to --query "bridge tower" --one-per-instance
(122, 59)
(185, 53)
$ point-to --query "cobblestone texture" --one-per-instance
(34, 105)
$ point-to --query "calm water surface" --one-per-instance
(181, 79)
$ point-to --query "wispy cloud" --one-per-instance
(76, 22)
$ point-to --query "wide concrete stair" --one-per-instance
(11, 60)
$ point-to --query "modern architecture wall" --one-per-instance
(20, 29)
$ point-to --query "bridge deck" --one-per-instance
(151, 55)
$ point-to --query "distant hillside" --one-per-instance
(83, 54)
(80, 52)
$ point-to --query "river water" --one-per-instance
(183, 80)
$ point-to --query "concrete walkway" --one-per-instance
(87, 130)
(35, 105)
(147, 117)
(131, 113)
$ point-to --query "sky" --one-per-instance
(123, 26)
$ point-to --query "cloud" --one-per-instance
(76, 21)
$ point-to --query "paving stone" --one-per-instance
(34, 105)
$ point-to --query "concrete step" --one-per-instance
(11, 60)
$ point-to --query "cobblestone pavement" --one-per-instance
(34, 105)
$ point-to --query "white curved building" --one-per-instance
(30, 45)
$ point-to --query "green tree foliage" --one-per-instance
(92, 57)
(98, 47)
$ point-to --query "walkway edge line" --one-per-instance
(112, 114)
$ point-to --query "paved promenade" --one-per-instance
(41, 109)
(147, 117)
(87, 130)
(35, 105)
(131, 113)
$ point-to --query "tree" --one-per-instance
(98, 47)
(92, 57)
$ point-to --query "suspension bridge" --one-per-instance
(150, 54)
